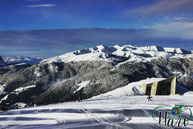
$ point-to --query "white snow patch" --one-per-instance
(53, 68)
(4, 98)
(188, 93)
(37, 72)
(82, 85)
(21, 64)
(21, 89)
(2, 87)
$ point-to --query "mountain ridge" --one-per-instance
(128, 52)
(104, 69)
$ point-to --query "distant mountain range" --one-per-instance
(19, 60)
(22, 59)
(118, 53)
(97, 70)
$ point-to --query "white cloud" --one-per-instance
(40, 5)
(179, 27)
(161, 7)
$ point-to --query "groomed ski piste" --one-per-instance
(123, 108)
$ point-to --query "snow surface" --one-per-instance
(188, 93)
(131, 53)
(117, 109)
(126, 112)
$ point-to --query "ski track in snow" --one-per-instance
(126, 112)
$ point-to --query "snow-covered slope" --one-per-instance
(20, 59)
(130, 89)
(119, 54)
(133, 89)
(126, 112)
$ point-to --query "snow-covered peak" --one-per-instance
(153, 48)
(120, 53)
(21, 59)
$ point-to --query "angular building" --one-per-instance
(163, 87)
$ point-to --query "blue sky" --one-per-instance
(166, 19)
(52, 14)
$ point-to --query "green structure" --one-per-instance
(163, 87)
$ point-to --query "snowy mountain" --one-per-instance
(117, 54)
(2, 63)
(20, 59)
(95, 71)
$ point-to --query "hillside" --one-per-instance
(98, 70)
